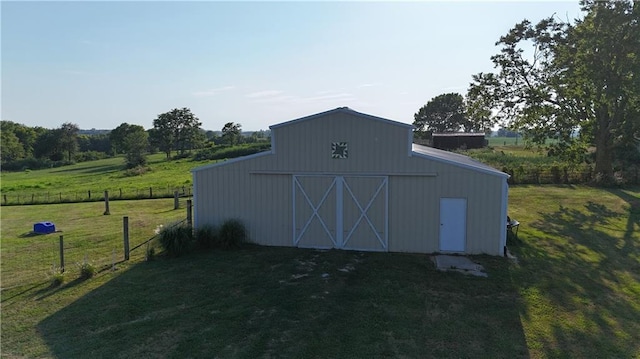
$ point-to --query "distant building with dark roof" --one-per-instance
(455, 140)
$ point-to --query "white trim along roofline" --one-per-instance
(345, 110)
(233, 160)
(455, 159)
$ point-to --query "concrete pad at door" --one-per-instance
(459, 264)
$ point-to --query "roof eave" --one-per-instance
(233, 160)
(345, 110)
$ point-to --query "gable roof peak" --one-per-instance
(345, 110)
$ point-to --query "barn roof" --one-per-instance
(454, 158)
(345, 110)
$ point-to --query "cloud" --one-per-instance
(213, 92)
(273, 96)
(367, 85)
(262, 94)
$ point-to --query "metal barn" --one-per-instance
(348, 180)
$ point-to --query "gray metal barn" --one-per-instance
(348, 180)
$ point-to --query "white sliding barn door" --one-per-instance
(347, 212)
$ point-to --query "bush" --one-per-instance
(232, 234)
(87, 270)
(207, 237)
(177, 239)
(150, 254)
(136, 171)
(57, 278)
(89, 156)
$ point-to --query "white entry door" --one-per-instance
(348, 212)
(453, 224)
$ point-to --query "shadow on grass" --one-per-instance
(6, 299)
(633, 203)
(590, 273)
(92, 169)
(51, 290)
(265, 301)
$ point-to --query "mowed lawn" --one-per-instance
(574, 291)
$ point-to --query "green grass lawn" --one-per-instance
(575, 291)
(75, 181)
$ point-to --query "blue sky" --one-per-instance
(99, 64)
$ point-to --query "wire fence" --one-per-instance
(39, 257)
(92, 195)
(556, 175)
(157, 234)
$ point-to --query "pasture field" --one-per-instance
(97, 176)
(512, 141)
(573, 292)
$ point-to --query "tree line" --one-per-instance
(574, 81)
(177, 132)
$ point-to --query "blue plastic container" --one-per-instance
(44, 227)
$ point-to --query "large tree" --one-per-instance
(24, 135)
(68, 138)
(443, 113)
(48, 145)
(579, 76)
(10, 147)
(231, 133)
(178, 129)
(135, 144)
(117, 136)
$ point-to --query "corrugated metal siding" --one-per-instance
(265, 203)
(306, 146)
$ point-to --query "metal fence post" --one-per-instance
(125, 227)
(62, 254)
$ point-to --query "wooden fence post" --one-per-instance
(125, 227)
(176, 202)
(62, 254)
(106, 204)
(5, 199)
(150, 192)
(120, 193)
(189, 217)
(89, 193)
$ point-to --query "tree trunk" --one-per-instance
(604, 154)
